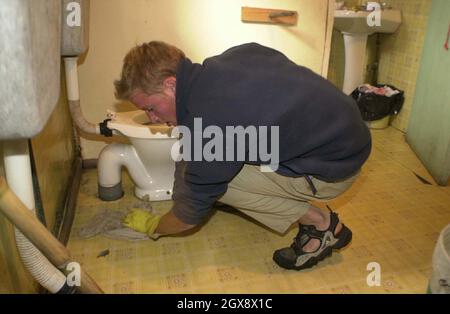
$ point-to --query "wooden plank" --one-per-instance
(328, 37)
(271, 16)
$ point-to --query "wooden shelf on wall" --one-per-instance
(270, 16)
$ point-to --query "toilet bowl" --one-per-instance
(148, 159)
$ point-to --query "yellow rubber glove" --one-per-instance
(142, 221)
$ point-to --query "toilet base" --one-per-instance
(154, 195)
(156, 186)
(116, 192)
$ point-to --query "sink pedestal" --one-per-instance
(355, 58)
(356, 28)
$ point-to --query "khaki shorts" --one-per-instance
(275, 200)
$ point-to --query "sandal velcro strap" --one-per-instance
(294, 257)
(306, 234)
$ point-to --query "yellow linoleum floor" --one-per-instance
(394, 216)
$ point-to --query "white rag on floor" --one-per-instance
(109, 224)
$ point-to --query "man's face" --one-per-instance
(159, 107)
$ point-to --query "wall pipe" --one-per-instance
(73, 96)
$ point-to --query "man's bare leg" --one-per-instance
(319, 219)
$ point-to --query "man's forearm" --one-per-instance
(170, 224)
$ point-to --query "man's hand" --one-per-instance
(142, 221)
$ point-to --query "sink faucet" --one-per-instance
(385, 5)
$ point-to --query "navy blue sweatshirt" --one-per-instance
(321, 132)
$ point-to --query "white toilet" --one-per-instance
(148, 160)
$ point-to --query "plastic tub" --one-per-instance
(440, 278)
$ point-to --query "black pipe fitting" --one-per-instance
(104, 130)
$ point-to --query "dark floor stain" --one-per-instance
(103, 253)
(424, 181)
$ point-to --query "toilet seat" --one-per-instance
(136, 124)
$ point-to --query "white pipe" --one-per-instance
(19, 177)
(111, 160)
(73, 95)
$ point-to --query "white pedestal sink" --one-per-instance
(356, 27)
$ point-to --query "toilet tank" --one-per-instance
(74, 27)
(30, 33)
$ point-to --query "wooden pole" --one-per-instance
(13, 209)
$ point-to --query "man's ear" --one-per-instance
(170, 82)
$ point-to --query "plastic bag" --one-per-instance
(374, 105)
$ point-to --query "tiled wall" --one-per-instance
(53, 150)
(400, 54)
